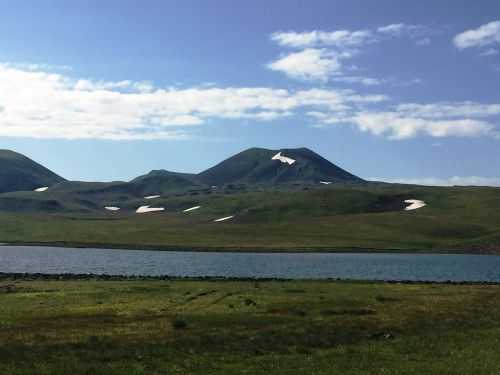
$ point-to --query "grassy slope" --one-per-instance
(325, 218)
(125, 327)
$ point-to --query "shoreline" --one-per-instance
(472, 250)
(19, 276)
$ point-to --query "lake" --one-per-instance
(361, 266)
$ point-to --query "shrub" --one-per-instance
(178, 323)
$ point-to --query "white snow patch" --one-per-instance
(223, 219)
(40, 189)
(283, 159)
(152, 197)
(325, 182)
(112, 208)
(146, 209)
(414, 204)
(191, 209)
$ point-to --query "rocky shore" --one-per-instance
(104, 277)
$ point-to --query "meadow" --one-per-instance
(134, 327)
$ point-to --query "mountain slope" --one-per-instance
(263, 166)
(17, 172)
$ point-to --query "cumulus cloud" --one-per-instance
(41, 104)
(320, 53)
(485, 35)
(309, 64)
(439, 181)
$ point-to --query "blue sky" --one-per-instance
(110, 90)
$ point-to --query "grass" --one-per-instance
(247, 327)
(371, 217)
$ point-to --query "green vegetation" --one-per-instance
(276, 206)
(323, 218)
(247, 327)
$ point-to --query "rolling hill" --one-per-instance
(17, 172)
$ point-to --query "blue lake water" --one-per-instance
(361, 266)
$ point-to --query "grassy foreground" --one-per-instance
(244, 327)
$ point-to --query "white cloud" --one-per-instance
(439, 181)
(321, 52)
(39, 104)
(396, 126)
(484, 35)
(309, 64)
(347, 39)
(462, 119)
(338, 38)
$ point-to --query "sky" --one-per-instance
(391, 90)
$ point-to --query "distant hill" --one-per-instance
(156, 182)
(162, 181)
(17, 172)
(250, 170)
(263, 166)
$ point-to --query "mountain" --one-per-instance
(284, 166)
(17, 172)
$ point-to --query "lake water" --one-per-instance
(361, 266)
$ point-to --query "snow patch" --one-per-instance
(283, 159)
(414, 204)
(112, 208)
(325, 182)
(40, 189)
(146, 209)
(152, 197)
(192, 209)
(223, 219)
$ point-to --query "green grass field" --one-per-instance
(247, 327)
(363, 217)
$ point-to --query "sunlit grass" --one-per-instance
(132, 327)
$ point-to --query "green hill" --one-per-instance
(17, 172)
(257, 166)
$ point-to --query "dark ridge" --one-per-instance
(18, 172)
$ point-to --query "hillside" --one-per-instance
(284, 166)
(323, 218)
(17, 172)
